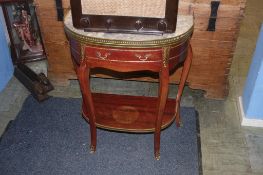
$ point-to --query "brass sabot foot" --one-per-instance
(92, 149)
(157, 156)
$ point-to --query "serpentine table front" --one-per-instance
(161, 54)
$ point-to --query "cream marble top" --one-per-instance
(184, 28)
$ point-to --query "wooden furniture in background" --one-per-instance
(213, 50)
(131, 53)
(25, 40)
(126, 16)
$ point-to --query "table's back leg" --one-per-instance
(83, 73)
(162, 97)
(186, 68)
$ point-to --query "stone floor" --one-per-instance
(227, 148)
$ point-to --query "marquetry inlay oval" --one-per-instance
(125, 114)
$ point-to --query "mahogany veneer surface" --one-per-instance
(129, 113)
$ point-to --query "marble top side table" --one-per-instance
(126, 53)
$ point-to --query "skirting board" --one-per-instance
(246, 121)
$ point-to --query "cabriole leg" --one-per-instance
(162, 97)
(186, 68)
(83, 73)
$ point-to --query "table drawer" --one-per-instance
(123, 55)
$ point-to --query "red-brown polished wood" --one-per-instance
(183, 78)
(131, 113)
(128, 113)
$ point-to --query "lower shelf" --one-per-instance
(128, 113)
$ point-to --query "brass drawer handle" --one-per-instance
(100, 56)
(144, 57)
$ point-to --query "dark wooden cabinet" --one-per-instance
(148, 16)
(25, 38)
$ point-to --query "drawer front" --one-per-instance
(123, 55)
